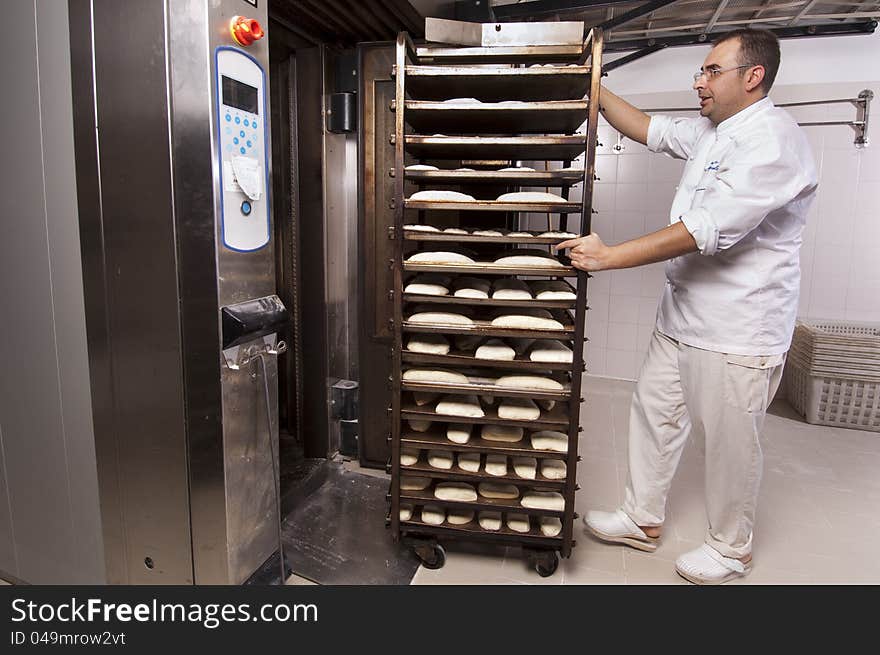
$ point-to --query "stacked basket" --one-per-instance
(832, 376)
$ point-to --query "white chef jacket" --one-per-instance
(744, 196)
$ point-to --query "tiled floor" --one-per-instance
(818, 515)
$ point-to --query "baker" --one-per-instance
(727, 313)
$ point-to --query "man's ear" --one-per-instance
(755, 78)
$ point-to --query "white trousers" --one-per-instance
(721, 400)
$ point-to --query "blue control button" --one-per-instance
(241, 150)
(235, 140)
(228, 117)
(254, 124)
(237, 120)
(241, 133)
(246, 122)
(246, 208)
(249, 144)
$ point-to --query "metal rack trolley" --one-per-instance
(553, 105)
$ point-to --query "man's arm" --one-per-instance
(590, 254)
(624, 118)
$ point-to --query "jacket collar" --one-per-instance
(738, 119)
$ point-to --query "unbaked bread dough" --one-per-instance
(469, 462)
(440, 459)
(498, 490)
(490, 520)
(503, 433)
(460, 516)
(406, 512)
(421, 167)
(553, 469)
(511, 289)
(518, 522)
(462, 101)
(471, 287)
(550, 526)
(460, 491)
(419, 425)
(528, 257)
(548, 350)
(433, 515)
(455, 230)
(488, 233)
(495, 349)
(440, 257)
(441, 196)
(527, 320)
(552, 290)
(496, 465)
(519, 409)
(414, 483)
(432, 344)
(535, 382)
(515, 169)
(549, 500)
(409, 456)
(466, 405)
(434, 376)
(426, 289)
(428, 284)
(545, 404)
(549, 440)
(458, 432)
(525, 467)
(530, 196)
(418, 227)
(521, 235)
(440, 318)
(555, 234)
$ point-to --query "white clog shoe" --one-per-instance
(617, 527)
(705, 565)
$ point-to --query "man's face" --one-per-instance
(722, 95)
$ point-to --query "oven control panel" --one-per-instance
(244, 168)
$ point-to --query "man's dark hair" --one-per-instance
(756, 47)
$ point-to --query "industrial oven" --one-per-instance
(173, 155)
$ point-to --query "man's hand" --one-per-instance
(587, 253)
(590, 254)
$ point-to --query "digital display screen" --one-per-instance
(239, 95)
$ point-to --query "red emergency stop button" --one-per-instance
(245, 30)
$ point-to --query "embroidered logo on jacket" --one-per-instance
(713, 166)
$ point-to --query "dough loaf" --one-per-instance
(459, 491)
(549, 500)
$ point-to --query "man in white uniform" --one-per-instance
(728, 310)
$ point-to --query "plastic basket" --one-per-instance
(832, 374)
(827, 348)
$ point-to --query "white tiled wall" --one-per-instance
(840, 258)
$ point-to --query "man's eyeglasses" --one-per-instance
(712, 73)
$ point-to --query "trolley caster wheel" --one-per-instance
(432, 556)
(546, 565)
